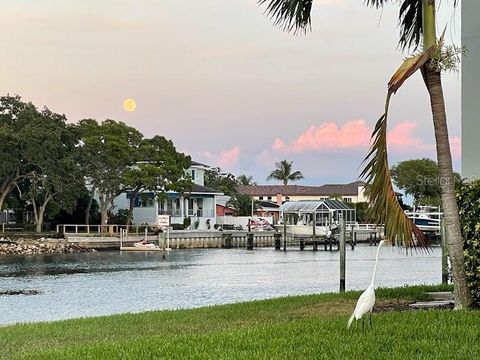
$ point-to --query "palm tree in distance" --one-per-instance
(417, 29)
(246, 180)
(283, 172)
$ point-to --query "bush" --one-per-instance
(468, 197)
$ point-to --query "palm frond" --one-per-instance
(377, 3)
(290, 15)
(411, 24)
(384, 206)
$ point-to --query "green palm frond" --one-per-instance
(284, 172)
(411, 24)
(290, 15)
(297, 175)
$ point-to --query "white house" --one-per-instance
(199, 204)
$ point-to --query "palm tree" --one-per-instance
(243, 204)
(283, 172)
(417, 28)
(246, 180)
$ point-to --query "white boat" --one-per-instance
(144, 244)
(427, 218)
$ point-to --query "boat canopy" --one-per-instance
(328, 208)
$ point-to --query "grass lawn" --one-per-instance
(303, 327)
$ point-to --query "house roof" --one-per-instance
(196, 163)
(295, 190)
(199, 189)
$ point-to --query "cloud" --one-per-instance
(226, 159)
(328, 136)
(456, 147)
(355, 135)
(403, 138)
(266, 159)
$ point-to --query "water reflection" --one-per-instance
(88, 284)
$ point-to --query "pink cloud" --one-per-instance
(456, 147)
(356, 134)
(226, 159)
(402, 137)
(328, 136)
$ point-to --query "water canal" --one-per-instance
(103, 283)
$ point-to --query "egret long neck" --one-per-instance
(376, 264)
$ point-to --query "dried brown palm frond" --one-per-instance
(384, 206)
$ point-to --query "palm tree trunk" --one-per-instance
(433, 81)
(463, 297)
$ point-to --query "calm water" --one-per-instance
(78, 285)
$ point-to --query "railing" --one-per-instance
(102, 230)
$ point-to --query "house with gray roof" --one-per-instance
(350, 193)
(199, 204)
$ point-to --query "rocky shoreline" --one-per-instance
(39, 247)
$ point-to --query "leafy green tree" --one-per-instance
(14, 113)
(243, 204)
(216, 179)
(37, 149)
(54, 176)
(107, 152)
(417, 29)
(284, 172)
(76, 216)
(246, 180)
(420, 179)
(159, 168)
(361, 210)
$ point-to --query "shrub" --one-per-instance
(468, 197)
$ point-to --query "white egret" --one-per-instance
(366, 301)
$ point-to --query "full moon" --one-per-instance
(129, 105)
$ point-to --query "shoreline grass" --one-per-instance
(298, 327)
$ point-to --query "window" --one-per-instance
(260, 198)
(347, 199)
(193, 174)
(269, 198)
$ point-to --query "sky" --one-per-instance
(225, 85)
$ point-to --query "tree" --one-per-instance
(37, 150)
(243, 204)
(361, 210)
(417, 28)
(54, 177)
(246, 180)
(159, 168)
(418, 178)
(216, 179)
(14, 113)
(283, 172)
(107, 151)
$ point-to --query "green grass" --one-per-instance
(302, 327)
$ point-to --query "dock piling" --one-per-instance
(342, 254)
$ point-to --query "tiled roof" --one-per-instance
(298, 190)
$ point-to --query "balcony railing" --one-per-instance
(190, 212)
